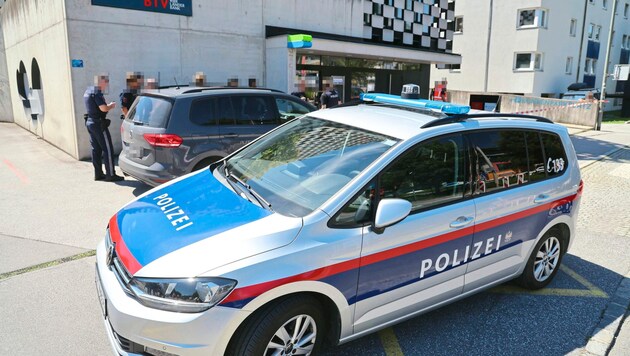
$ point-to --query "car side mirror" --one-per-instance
(390, 211)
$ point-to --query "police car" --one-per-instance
(337, 224)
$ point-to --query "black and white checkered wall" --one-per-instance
(422, 24)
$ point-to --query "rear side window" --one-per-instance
(150, 111)
(556, 159)
(202, 112)
(536, 156)
(501, 159)
(432, 173)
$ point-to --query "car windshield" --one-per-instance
(305, 162)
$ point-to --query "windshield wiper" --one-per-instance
(227, 175)
(261, 201)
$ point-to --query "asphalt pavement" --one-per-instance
(53, 214)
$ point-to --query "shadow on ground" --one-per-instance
(498, 323)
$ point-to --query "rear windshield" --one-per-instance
(150, 111)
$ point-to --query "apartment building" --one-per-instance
(535, 47)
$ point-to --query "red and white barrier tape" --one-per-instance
(561, 107)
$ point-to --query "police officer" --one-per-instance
(97, 126)
(134, 84)
(330, 98)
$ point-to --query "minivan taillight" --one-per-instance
(163, 140)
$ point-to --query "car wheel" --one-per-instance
(293, 326)
(544, 262)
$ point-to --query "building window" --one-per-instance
(605, 4)
(528, 61)
(568, 68)
(598, 31)
(591, 29)
(589, 66)
(573, 27)
(450, 67)
(625, 42)
(459, 24)
(532, 18)
(626, 10)
(591, 1)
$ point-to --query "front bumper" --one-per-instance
(134, 329)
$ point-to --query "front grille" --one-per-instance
(122, 275)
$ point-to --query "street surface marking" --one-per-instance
(16, 171)
(47, 264)
(390, 342)
(591, 291)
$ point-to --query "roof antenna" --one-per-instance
(175, 79)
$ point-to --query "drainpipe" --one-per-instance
(485, 82)
(579, 63)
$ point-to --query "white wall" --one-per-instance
(6, 111)
(220, 40)
(471, 44)
(342, 17)
(557, 44)
(36, 29)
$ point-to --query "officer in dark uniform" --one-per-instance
(97, 125)
(127, 97)
(330, 97)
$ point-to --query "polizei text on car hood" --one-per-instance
(192, 226)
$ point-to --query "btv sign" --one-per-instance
(174, 7)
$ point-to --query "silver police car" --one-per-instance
(337, 224)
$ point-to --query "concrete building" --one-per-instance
(6, 112)
(53, 49)
(535, 47)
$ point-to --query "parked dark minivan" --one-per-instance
(170, 132)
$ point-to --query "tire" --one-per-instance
(274, 329)
(544, 262)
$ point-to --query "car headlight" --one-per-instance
(186, 295)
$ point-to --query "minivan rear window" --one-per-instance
(150, 111)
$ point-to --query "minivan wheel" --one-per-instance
(293, 326)
(544, 262)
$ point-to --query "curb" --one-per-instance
(603, 338)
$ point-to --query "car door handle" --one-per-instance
(462, 221)
(230, 135)
(542, 198)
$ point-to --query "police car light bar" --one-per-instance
(446, 108)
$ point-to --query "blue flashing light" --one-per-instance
(446, 108)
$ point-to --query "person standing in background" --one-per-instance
(127, 97)
(330, 97)
(97, 125)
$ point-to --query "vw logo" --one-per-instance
(111, 251)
